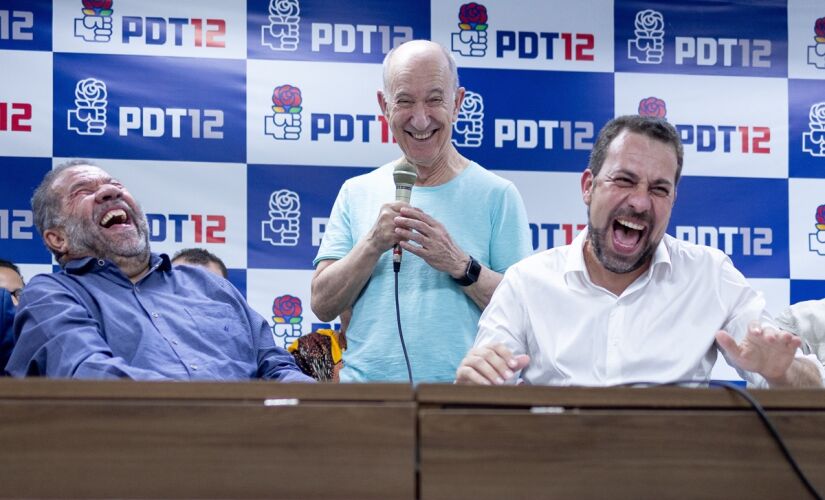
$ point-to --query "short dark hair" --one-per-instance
(11, 265)
(201, 257)
(655, 128)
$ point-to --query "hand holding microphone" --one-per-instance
(404, 177)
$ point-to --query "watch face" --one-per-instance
(470, 274)
(473, 270)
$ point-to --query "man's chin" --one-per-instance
(129, 249)
(620, 263)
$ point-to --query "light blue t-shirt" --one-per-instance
(485, 216)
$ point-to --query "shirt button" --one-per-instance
(194, 367)
(154, 315)
(137, 288)
(174, 342)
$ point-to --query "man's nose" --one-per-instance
(108, 192)
(420, 117)
(639, 199)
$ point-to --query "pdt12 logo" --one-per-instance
(468, 129)
(648, 46)
(283, 33)
(16, 25)
(813, 141)
(96, 23)
(88, 117)
(16, 224)
(89, 114)
(816, 241)
(704, 137)
(15, 116)
(816, 52)
(96, 26)
(178, 227)
(283, 227)
(286, 320)
(548, 235)
(471, 40)
(285, 121)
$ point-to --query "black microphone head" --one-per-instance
(404, 174)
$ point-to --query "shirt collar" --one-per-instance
(160, 262)
(575, 259)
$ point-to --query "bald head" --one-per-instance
(409, 54)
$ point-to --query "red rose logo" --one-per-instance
(819, 27)
(97, 4)
(287, 307)
(653, 106)
(287, 96)
(472, 13)
(820, 214)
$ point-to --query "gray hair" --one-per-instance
(655, 128)
(451, 64)
(46, 205)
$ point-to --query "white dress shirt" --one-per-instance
(660, 329)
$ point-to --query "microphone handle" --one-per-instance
(396, 257)
(402, 193)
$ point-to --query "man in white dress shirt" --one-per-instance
(625, 302)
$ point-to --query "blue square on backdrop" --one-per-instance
(287, 208)
(720, 212)
(19, 240)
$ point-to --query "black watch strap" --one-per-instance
(470, 274)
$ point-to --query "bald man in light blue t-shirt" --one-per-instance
(460, 231)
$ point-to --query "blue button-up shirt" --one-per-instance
(184, 323)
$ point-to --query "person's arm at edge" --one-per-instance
(801, 373)
(337, 283)
(491, 360)
(775, 355)
(750, 340)
(482, 290)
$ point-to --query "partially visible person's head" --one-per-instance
(201, 257)
(421, 99)
(629, 189)
(81, 211)
(11, 279)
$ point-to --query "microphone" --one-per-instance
(404, 176)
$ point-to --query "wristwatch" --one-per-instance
(470, 274)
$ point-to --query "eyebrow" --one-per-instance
(87, 182)
(428, 93)
(657, 182)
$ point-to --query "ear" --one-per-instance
(56, 240)
(382, 102)
(459, 98)
(587, 186)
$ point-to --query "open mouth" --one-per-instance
(627, 235)
(422, 136)
(112, 217)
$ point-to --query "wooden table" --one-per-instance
(542, 442)
(206, 440)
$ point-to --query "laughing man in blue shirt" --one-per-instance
(116, 310)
